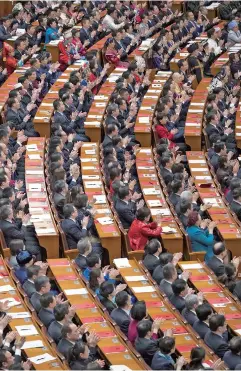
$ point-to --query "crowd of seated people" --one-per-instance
(127, 24)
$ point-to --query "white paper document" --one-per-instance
(6, 288)
(207, 177)
(26, 330)
(42, 358)
(160, 212)
(31, 147)
(135, 278)
(168, 230)
(34, 172)
(197, 162)
(143, 289)
(153, 203)
(33, 344)
(34, 187)
(100, 199)
(11, 302)
(121, 263)
(151, 191)
(144, 120)
(71, 292)
(105, 221)
(191, 266)
(17, 315)
(196, 169)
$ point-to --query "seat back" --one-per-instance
(5, 251)
(192, 255)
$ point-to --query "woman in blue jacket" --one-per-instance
(200, 233)
(52, 31)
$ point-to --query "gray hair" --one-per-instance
(111, 108)
(190, 301)
(186, 195)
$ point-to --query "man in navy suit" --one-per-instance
(191, 303)
(162, 359)
(216, 338)
(121, 315)
(72, 229)
(180, 291)
(201, 326)
(233, 356)
(216, 263)
(4, 30)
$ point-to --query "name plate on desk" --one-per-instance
(35, 187)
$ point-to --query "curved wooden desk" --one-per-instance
(106, 226)
(39, 207)
(219, 212)
(111, 345)
(155, 200)
(194, 118)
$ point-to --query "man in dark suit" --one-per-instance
(111, 131)
(169, 276)
(180, 290)
(42, 286)
(177, 187)
(63, 314)
(201, 325)
(121, 315)
(46, 313)
(32, 273)
(215, 338)
(72, 229)
(4, 30)
(84, 247)
(70, 334)
(166, 171)
(20, 119)
(19, 229)
(162, 359)
(233, 356)
(216, 263)
(164, 259)
(220, 149)
(191, 303)
(214, 127)
(59, 196)
(86, 32)
(153, 252)
(107, 292)
(126, 207)
(236, 203)
(81, 362)
(146, 343)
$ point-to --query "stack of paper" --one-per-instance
(121, 263)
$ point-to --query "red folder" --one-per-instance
(59, 262)
(67, 277)
(106, 334)
(92, 319)
(185, 348)
(154, 304)
(114, 349)
(84, 305)
(218, 300)
(211, 289)
(108, 228)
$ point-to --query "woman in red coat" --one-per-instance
(111, 54)
(162, 131)
(141, 229)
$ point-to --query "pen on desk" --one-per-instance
(39, 359)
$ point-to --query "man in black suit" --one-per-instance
(121, 315)
(214, 127)
(4, 30)
(42, 286)
(215, 338)
(164, 259)
(191, 303)
(70, 334)
(107, 292)
(20, 119)
(111, 131)
(166, 171)
(63, 314)
(20, 230)
(84, 247)
(233, 356)
(86, 32)
(32, 272)
(72, 229)
(236, 203)
(220, 258)
(220, 149)
(153, 251)
(146, 342)
(177, 187)
(46, 313)
(180, 290)
(59, 196)
(126, 206)
(201, 325)
(169, 276)
(87, 353)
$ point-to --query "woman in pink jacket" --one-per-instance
(141, 229)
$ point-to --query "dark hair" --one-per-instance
(218, 250)
(46, 299)
(142, 213)
(74, 352)
(60, 311)
(176, 185)
(143, 327)
(123, 192)
(95, 273)
(197, 357)
(203, 311)
(235, 345)
(40, 282)
(165, 258)
(33, 271)
(121, 299)
(110, 128)
(15, 246)
(80, 201)
(152, 246)
(68, 210)
(219, 146)
(138, 311)
(168, 271)
(216, 321)
(166, 344)
(23, 257)
(178, 286)
(106, 288)
(92, 259)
